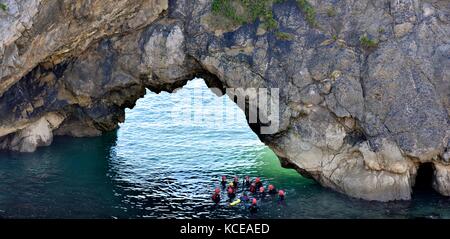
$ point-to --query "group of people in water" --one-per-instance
(248, 187)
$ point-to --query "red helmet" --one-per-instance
(217, 190)
(230, 190)
(261, 189)
(281, 193)
(224, 178)
(258, 180)
(270, 187)
(254, 201)
(247, 177)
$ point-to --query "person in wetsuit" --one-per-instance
(252, 188)
(258, 183)
(247, 182)
(236, 182)
(224, 182)
(254, 207)
(262, 192)
(216, 196)
(271, 190)
(281, 195)
(231, 191)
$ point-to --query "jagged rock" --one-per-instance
(34, 135)
(441, 179)
(356, 119)
(402, 29)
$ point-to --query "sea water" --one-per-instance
(165, 161)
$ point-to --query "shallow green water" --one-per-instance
(156, 166)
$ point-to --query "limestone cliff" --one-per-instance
(364, 85)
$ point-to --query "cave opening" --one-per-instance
(191, 114)
(188, 139)
(424, 178)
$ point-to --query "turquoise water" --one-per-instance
(165, 161)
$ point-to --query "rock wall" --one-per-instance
(357, 118)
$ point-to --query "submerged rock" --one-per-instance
(358, 117)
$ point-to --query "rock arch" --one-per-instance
(357, 121)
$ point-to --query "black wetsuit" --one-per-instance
(247, 183)
(253, 208)
(216, 198)
(232, 194)
(235, 184)
(280, 201)
(273, 191)
(258, 185)
(224, 183)
(262, 194)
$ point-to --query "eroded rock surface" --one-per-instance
(356, 119)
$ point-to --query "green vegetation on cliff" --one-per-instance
(367, 42)
(309, 11)
(3, 6)
(284, 36)
(247, 11)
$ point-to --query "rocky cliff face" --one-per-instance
(364, 85)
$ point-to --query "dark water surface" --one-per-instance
(156, 166)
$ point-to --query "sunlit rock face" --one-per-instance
(357, 120)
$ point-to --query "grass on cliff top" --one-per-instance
(4, 7)
(248, 11)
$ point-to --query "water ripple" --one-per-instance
(155, 167)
